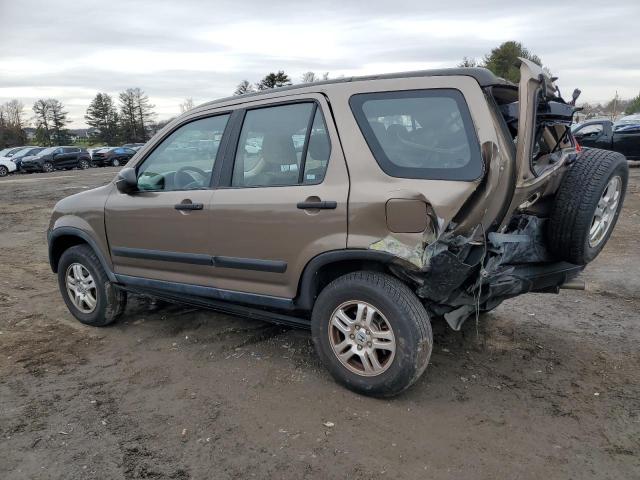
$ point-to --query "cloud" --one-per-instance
(202, 49)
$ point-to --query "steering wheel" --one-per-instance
(192, 180)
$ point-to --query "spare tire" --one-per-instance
(587, 205)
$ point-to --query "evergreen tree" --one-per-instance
(58, 121)
(503, 60)
(103, 116)
(41, 109)
(274, 80)
(634, 106)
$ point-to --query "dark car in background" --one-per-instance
(112, 156)
(604, 134)
(54, 158)
(26, 152)
(134, 146)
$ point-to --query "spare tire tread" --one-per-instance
(575, 202)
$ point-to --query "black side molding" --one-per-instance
(259, 265)
(275, 266)
(190, 258)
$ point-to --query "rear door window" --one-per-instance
(425, 134)
(282, 145)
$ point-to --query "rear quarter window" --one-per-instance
(422, 134)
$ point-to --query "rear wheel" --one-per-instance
(47, 167)
(587, 205)
(372, 333)
(4, 171)
(86, 290)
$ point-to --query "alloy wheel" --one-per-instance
(81, 288)
(605, 212)
(4, 171)
(361, 338)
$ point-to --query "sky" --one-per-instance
(71, 50)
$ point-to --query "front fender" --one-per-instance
(61, 238)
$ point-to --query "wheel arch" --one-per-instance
(326, 267)
(63, 238)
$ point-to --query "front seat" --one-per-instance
(278, 153)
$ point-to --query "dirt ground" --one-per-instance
(546, 386)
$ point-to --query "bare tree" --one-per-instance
(468, 62)
(136, 115)
(187, 105)
(244, 87)
(309, 77)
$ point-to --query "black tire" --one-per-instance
(406, 316)
(84, 164)
(115, 162)
(576, 201)
(4, 171)
(111, 301)
(47, 167)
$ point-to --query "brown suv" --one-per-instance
(362, 208)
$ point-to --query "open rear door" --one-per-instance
(532, 79)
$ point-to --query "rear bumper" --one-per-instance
(513, 280)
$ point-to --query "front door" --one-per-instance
(163, 230)
(282, 198)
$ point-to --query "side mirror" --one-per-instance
(126, 181)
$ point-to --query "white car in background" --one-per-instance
(6, 166)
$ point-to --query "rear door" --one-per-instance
(627, 141)
(163, 231)
(282, 198)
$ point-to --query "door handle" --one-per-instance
(318, 205)
(188, 206)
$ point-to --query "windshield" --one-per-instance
(47, 151)
(4, 152)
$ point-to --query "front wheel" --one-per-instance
(372, 333)
(47, 167)
(84, 164)
(4, 171)
(115, 162)
(86, 290)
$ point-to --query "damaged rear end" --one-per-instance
(497, 244)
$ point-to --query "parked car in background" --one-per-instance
(622, 138)
(135, 146)
(628, 120)
(8, 152)
(6, 166)
(54, 158)
(112, 156)
(95, 149)
(25, 153)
